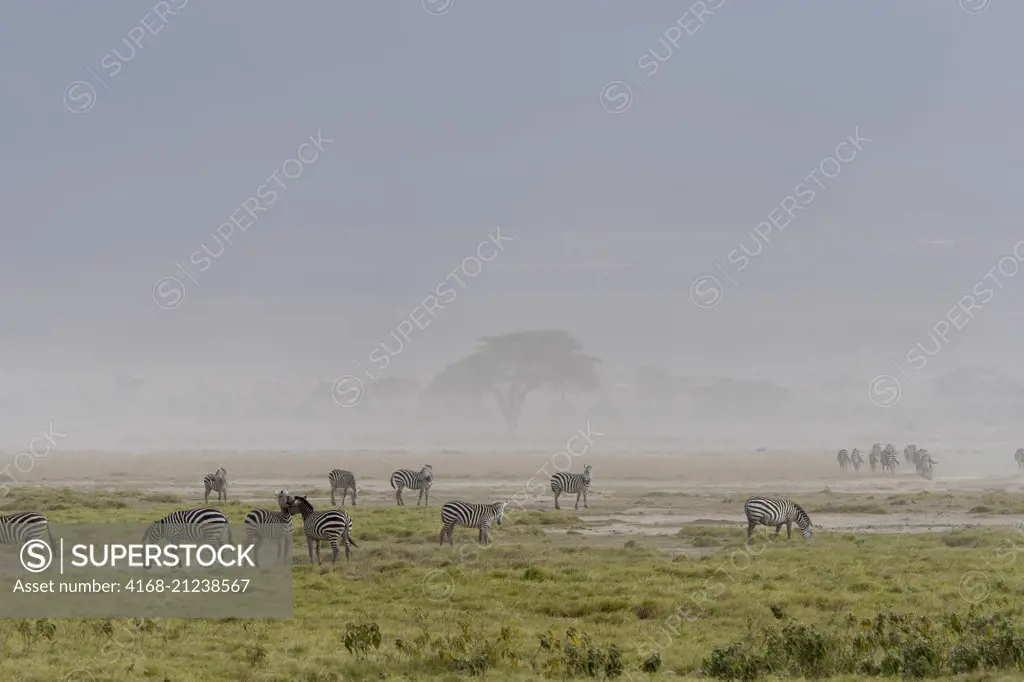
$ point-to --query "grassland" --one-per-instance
(545, 601)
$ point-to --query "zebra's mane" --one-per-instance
(800, 511)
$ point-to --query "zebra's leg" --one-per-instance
(585, 499)
(206, 497)
(398, 496)
(778, 529)
(750, 530)
(344, 494)
(480, 536)
(335, 552)
(309, 545)
(426, 498)
(789, 530)
(353, 496)
(419, 498)
(577, 507)
(556, 499)
(332, 497)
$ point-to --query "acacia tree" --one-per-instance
(510, 366)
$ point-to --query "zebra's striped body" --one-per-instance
(925, 464)
(472, 516)
(267, 524)
(565, 482)
(909, 453)
(1019, 457)
(766, 511)
(342, 480)
(217, 482)
(856, 459)
(876, 452)
(843, 458)
(202, 523)
(414, 480)
(889, 461)
(17, 529)
(331, 525)
(873, 458)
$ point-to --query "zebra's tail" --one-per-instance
(393, 483)
(348, 538)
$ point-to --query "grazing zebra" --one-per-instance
(472, 516)
(17, 529)
(844, 458)
(857, 459)
(414, 480)
(766, 511)
(873, 457)
(1019, 456)
(217, 482)
(564, 482)
(201, 523)
(342, 480)
(266, 524)
(330, 525)
(909, 453)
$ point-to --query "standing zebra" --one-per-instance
(766, 511)
(266, 524)
(873, 457)
(217, 482)
(856, 459)
(844, 458)
(471, 516)
(330, 525)
(565, 482)
(342, 480)
(876, 451)
(909, 453)
(17, 529)
(924, 463)
(201, 523)
(1019, 456)
(414, 480)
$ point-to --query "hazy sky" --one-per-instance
(491, 114)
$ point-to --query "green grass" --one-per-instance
(528, 606)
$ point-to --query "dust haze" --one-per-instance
(729, 250)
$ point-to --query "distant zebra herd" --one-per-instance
(331, 525)
(886, 457)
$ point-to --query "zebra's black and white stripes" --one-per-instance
(565, 482)
(331, 524)
(342, 480)
(843, 457)
(267, 524)
(1019, 458)
(766, 511)
(472, 516)
(17, 529)
(414, 480)
(202, 523)
(217, 482)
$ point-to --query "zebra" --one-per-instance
(766, 511)
(1019, 457)
(909, 452)
(472, 516)
(890, 461)
(876, 451)
(17, 529)
(330, 525)
(217, 482)
(924, 463)
(857, 459)
(201, 523)
(873, 458)
(565, 482)
(342, 480)
(844, 458)
(265, 524)
(414, 480)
